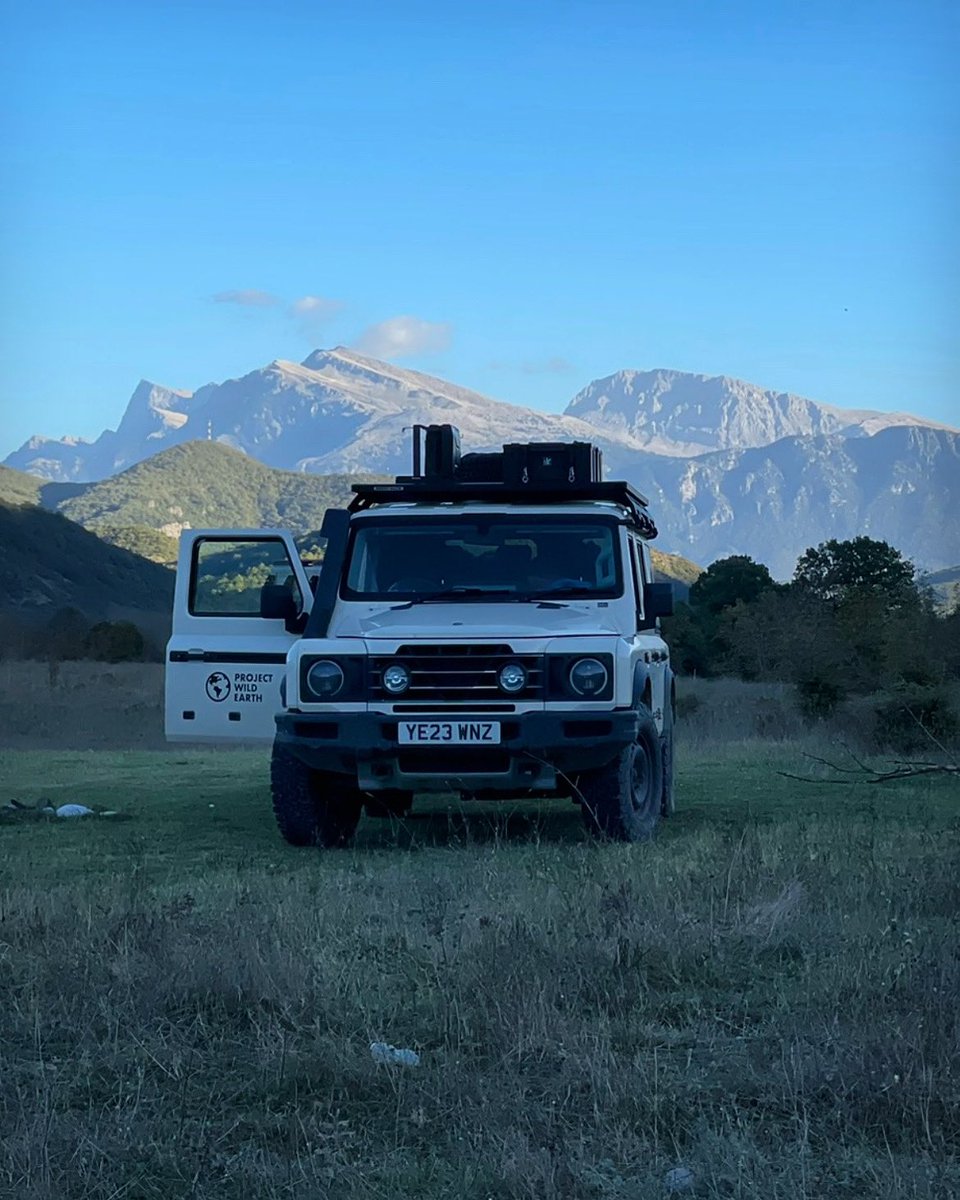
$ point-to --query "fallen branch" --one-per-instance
(863, 772)
(873, 774)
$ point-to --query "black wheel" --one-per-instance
(668, 804)
(622, 800)
(313, 808)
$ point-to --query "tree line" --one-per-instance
(853, 620)
(68, 635)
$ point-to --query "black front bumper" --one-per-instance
(535, 748)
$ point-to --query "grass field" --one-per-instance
(766, 995)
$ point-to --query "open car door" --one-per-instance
(224, 661)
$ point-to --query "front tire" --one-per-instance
(312, 808)
(622, 800)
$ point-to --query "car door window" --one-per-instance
(227, 575)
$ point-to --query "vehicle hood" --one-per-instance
(475, 620)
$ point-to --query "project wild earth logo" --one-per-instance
(218, 686)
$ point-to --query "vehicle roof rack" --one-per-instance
(452, 491)
(519, 473)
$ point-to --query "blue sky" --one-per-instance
(546, 192)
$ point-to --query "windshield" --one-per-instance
(482, 558)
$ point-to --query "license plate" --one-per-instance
(450, 733)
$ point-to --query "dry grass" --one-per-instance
(81, 705)
(100, 706)
(766, 994)
(729, 711)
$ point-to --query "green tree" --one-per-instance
(698, 631)
(728, 581)
(840, 573)
(691, 649)
(789, 636)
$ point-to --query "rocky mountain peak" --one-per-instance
(153, 414)
(684, 414)
(730, 467)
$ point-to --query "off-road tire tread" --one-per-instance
(312, 808)
(605, 794)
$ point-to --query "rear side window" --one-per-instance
(636, 571)
(227, 575)
(642, 573)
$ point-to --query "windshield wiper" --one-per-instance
(561, 593)
(556, 595)
(462, 593)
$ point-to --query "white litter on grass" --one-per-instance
(383, 1052)
(678, 1179)
(74, 810)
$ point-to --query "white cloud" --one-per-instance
(313, 313)
(248, 298)
(399, 337)
(315, 306)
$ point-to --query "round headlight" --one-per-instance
(325, 678)
(513, 677)
(588, 677)
(396, 679)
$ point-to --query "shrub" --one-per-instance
(903, 719)
(114, 641)
(818, 696)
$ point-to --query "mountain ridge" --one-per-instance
(761, 457)
(740, 415)
(271, 412)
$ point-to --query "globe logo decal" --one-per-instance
(218, 686)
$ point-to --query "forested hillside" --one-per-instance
(17, 487)
(48, 563)
(206, 484)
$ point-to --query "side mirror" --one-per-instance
(336, 522)
(277, 604)
(657, 601)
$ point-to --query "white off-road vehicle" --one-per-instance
(486, 626)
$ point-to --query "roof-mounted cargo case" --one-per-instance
(521, 473)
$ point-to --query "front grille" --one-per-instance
(451, 673)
